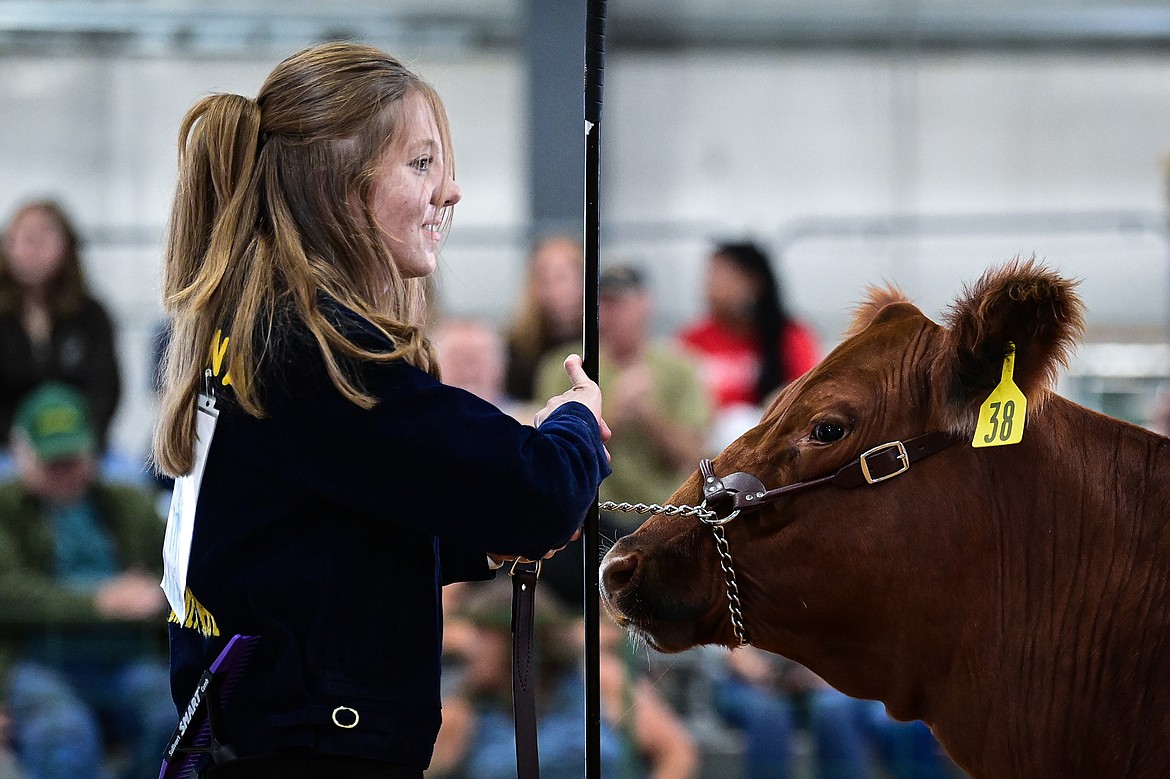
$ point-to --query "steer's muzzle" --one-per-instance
(620, 573)
(655, 593)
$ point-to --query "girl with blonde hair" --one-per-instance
(342, 483)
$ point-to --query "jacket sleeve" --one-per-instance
(440, 460)
(460, 564)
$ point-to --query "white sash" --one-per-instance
(181, 517)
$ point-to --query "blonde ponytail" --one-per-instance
(264, 217)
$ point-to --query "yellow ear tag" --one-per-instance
(1001, 417)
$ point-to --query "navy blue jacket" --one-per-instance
(328, 531)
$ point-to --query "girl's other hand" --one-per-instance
(585, 391)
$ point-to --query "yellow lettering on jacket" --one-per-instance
(198, 617)
(219, 346)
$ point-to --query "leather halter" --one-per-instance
(744, 491)
(741, 491)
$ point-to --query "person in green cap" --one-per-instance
(82, 639)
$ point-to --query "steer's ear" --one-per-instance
(1021, 303)
(876, 298)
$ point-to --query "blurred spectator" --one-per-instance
(746, 698)
(654, 404)
(757, 694)
(665, 748)
(477, 738)
(471, 357)
(8, 767)
(160, 338)
(83, 656)
(550, 312)
(51, 327)
(640, 736)
(748, 344)
(853, 735)
(1160, 411)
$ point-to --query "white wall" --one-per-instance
(755, 143)
(694, 146)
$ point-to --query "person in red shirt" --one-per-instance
(748, 346)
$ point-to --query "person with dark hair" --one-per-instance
(52, 328)
(747, 343)
(332, 484)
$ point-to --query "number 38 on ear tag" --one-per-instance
(1001, 417)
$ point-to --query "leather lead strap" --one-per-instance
(524, 673)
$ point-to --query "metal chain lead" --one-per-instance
(733, 603)
(725, 562)
(654, 508)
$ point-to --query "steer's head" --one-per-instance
(827, 570)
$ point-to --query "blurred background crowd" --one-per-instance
(80, 533)
(763, 163)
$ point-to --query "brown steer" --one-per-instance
(1015, 597)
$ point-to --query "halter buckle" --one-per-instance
(524, 561)
(879, 450)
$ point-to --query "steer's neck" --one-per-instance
(1066, 664)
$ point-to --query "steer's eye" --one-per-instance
(828, 432)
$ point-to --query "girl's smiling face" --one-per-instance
(412, 189)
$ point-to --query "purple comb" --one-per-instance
(195, 738)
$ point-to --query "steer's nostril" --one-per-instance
(619, 572)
